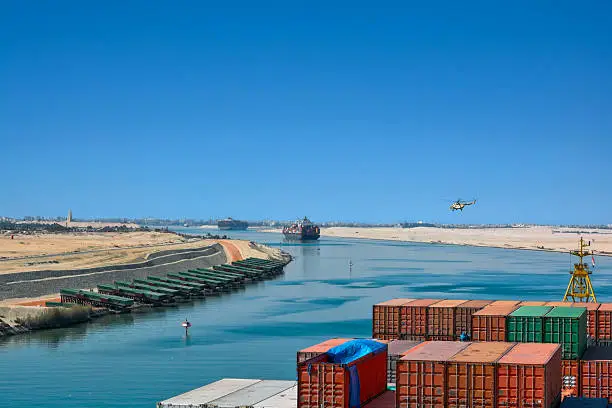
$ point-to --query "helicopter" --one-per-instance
(458, 205)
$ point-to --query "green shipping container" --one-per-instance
(567, 326)
(526, 324)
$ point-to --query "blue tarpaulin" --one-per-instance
(349, 352)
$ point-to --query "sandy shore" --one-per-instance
(534, 238)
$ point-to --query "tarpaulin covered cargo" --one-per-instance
(386, 317)
(567, 326)
(318, 349)
(526, 324)
(596, 373)
(463, 315)
(529, 375)
(413, 317)
(346, 376)
(441, 319)
(471, 375)
(397, 348)
(421, 374)
(489, 324)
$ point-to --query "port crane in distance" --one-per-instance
(459, 204)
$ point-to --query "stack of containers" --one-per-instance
(414, 319)
(347, 375)
(592, 319)
(596, 373)
(318, 349)
(489, 324)
(396, 350)
(526, 324)
(441, 320)
(567, 326)
(463, 315)
(421, 374)
(604, 323)
(529, 376)
(472, 375)
(386, 319)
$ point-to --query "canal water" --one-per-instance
(136, 360)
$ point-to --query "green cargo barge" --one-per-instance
(253, 274)
(85, 297)
(141, 296)
(198, 286)
(234, 276)
(230, 280)
(182, 290)
(145, 286)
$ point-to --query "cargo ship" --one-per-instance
(231, 224)
(302, 230)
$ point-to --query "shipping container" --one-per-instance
(566, 326)
(251, 395)
(557, 304)
(604, 322)
(570, 376)
(413, 317)
(532, 303)
(396, 349)
(526, 324)
(463, 315)
(489, 324)
(581, 402)
(505, 303)
(386, 400)
(386, 337)
(529, 375)
(318, 349)
(207, 393)
(471, 375)
(421, 374)
(592, 317)
(386, 317)
(441, 319)
(331, 379)
(596, 373)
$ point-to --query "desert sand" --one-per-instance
(542, 238)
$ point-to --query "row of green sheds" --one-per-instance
(545, 324)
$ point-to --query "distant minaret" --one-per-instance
(69, 218)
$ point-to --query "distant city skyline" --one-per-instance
(332, 110)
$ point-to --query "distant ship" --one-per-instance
(231, 224)
(302, 230)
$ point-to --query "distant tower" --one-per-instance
(580, 288)
(69, 218)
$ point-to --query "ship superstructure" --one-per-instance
(232, 224)
(302, 230)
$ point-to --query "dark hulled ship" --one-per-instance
(302, 230)
(231, 224)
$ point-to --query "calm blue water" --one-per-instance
(139, 359)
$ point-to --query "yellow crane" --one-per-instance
(579, 288)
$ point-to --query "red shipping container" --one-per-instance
(557, 304)
(604, 322)
(571, 368)
(396, 350)
(441, 319)
(489, 324)
(471, 375)
(529, 375)
(318, 349)
(463, 315)
(532, 303)
(386, 400)
(505, 303)
(385, 337)
(592, 318)
(322, 383)
(413, 317)
(386, 317)
(596, 373)
(421, 374)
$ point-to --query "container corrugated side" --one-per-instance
(396, 349)
(284, 399)
(421, 374)
(567, 326)
(604, 322)
(386, 317)
(441, 318)
(414, 316)
(526, 324)
(471, 375)
(463, 315)
(529, 375)
(251, 395)
(571, 368)
(489, 324)
(596, 373)
(207, 393)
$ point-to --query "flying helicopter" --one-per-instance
(458, 205)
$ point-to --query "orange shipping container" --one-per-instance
(557, 304)
(386, 337)
(318, 349)
(604, 322)
(505, 303)
(463, 315)
(592, 318)
(571, 368)
(386, 317)
(532, 303)
(324, 383)
(421, 374)
(596, 373)
(529, 375)
(441, 318)
(472, 373)
(489, 324)
(413, 318)
(396, 349)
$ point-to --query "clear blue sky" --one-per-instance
(338, 112)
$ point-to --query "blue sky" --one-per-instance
(336, 110)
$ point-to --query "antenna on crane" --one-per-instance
(579, 288)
